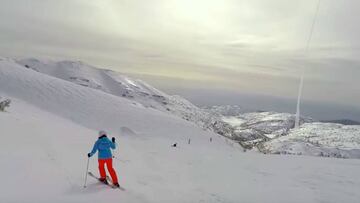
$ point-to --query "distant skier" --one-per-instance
(103, 145)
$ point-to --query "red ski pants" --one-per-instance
(110, 168)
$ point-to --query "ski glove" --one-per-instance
(113, 139)
(89, 155)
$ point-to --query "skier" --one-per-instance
(103, 145)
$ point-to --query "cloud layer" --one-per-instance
(248, 46)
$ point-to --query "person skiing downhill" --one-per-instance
(103, 146)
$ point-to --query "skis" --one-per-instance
(108, 179)
(113, 186)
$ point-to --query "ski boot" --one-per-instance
(103, 180)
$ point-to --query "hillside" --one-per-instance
(133, 89)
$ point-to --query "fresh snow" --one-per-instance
(52, 123)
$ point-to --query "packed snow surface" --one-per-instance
(52, 124)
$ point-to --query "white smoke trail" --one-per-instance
(297, 117)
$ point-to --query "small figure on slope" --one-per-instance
(103, 145)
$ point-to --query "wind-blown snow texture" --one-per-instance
(52, 124)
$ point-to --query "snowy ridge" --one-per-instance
(86, 106)
(120, 85)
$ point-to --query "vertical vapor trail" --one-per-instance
(297, 117)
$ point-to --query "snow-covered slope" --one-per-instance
(120, 85)
(51, 125)
(86, 106)
(44, 157)
(319, 139)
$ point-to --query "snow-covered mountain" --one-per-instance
(257, 127)
(318, 139)
(120, 85)
(86, 106)
(52, 123)
(273, 132)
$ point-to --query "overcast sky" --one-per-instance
(241, 46)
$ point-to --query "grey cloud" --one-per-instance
(253, 45)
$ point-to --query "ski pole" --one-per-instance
(87, 169)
